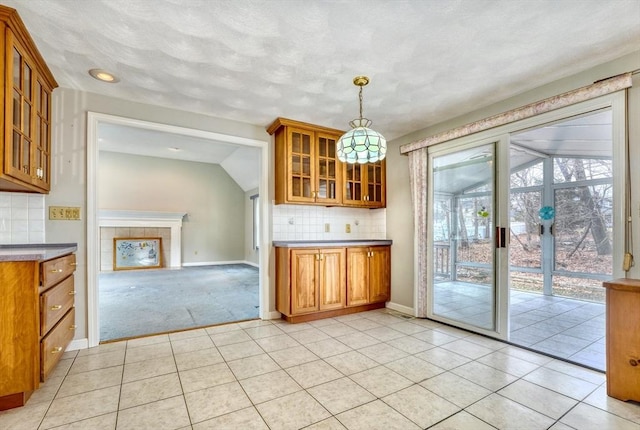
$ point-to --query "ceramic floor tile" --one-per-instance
(381, 381)
(462, 421)
(407, 327)
(313, 373)
(27, 417)
(538, 398)
(254, 323)
(328, 424)
(229, 337)
(435, 337)
(309, 335)
(375, 415)
(323, 322)
(102, 422)
(81, 406)
(292, 328)
(104, 348)
(503, 413)
(492, 344)
(46, 392)
(327, 348)
(467, 349)
(293, 356)
(216, 401)
(443, 358)
(341, 395)
(382, 353)
(164, 414)
(576, 371)
(147, 352)
(627, 410)
(187, 334)
(263, 331)
(147, 340)
(62, 368)
(205, 377)
(253, 366)
(191, 344)
(421, 405)
(274, 343)
(357, 340)
(559, 426)
(588, 417)
(508, 363)
(77, 383)
(351, 362)
(149, 390)
(483, 375)
(559, 382)
(97, 361)
(148, 368)
(384, 334)
(455, 389)
(199, 358)
(245, 419)
(526, 355)
(240, 350)
(269, 386)
(338, 329)
(362, 324)
(223, 328)
(452, 331)
(410, 344)
(414, 369)
(277, 413)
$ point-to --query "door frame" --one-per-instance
(617, 103)
(93, 230)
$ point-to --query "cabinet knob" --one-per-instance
(73, 327)
(56, 271)
(56, 307)
(56, 350)
(633, 362)
(73, 264)
(72, 292)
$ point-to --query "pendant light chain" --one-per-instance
(360, 101)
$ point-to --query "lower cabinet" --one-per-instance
(313, 283)
(37, 321)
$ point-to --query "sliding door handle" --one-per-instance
(501, 237)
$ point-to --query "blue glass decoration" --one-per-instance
(546, 213)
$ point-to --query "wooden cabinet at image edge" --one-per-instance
(37, 321)
(623, 339)
(307, 170)
(368, 275)
(25, 146)
(313, 283)
(365, 185)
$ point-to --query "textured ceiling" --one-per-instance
(254, 60)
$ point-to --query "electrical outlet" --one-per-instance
(347, 228)
(327, 227)
(64, 213)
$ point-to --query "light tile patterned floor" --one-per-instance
(563, 327)
(373, 370)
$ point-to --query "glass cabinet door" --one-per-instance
(375, 193)
(353, 183)
(301, 173)
(327, 169)
(41, 136)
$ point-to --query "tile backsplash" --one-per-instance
(299, 222)
(21, 218)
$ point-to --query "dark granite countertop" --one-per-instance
(329, 243)
(35, 252)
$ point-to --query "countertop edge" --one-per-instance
(35, 252)
(329, 243)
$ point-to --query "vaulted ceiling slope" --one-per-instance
(254, 60)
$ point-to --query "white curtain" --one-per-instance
(418, 175)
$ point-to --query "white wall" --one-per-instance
(399, 209)
(212, 230)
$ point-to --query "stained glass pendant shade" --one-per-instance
(361, 144)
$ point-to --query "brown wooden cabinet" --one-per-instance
(306, 166)
(313, 283)
(623, 339)
(368, 270)
(37, 320)
(365, 185)
(25, 146)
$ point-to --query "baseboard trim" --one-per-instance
(251, 263)
(401, 308)
(78, 344)
(274, 315)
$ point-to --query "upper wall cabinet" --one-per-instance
(25, 147)
(307, 169)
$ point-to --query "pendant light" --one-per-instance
(361, 144)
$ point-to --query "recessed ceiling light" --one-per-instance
(104, 76)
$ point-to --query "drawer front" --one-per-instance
(53, 344)
(54, 304)
(54, 271)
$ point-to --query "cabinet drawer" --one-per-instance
(53, 271)
(53, 344)
(54, 304)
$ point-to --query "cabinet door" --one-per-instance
(333, 278)
(42, 135)
(353, 184)
(379, 273)
(304, 281)
(301, 171)
(375, 193)
(329, 174)
(358, 276)
(18, 118)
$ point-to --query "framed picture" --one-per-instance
(137, 253)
